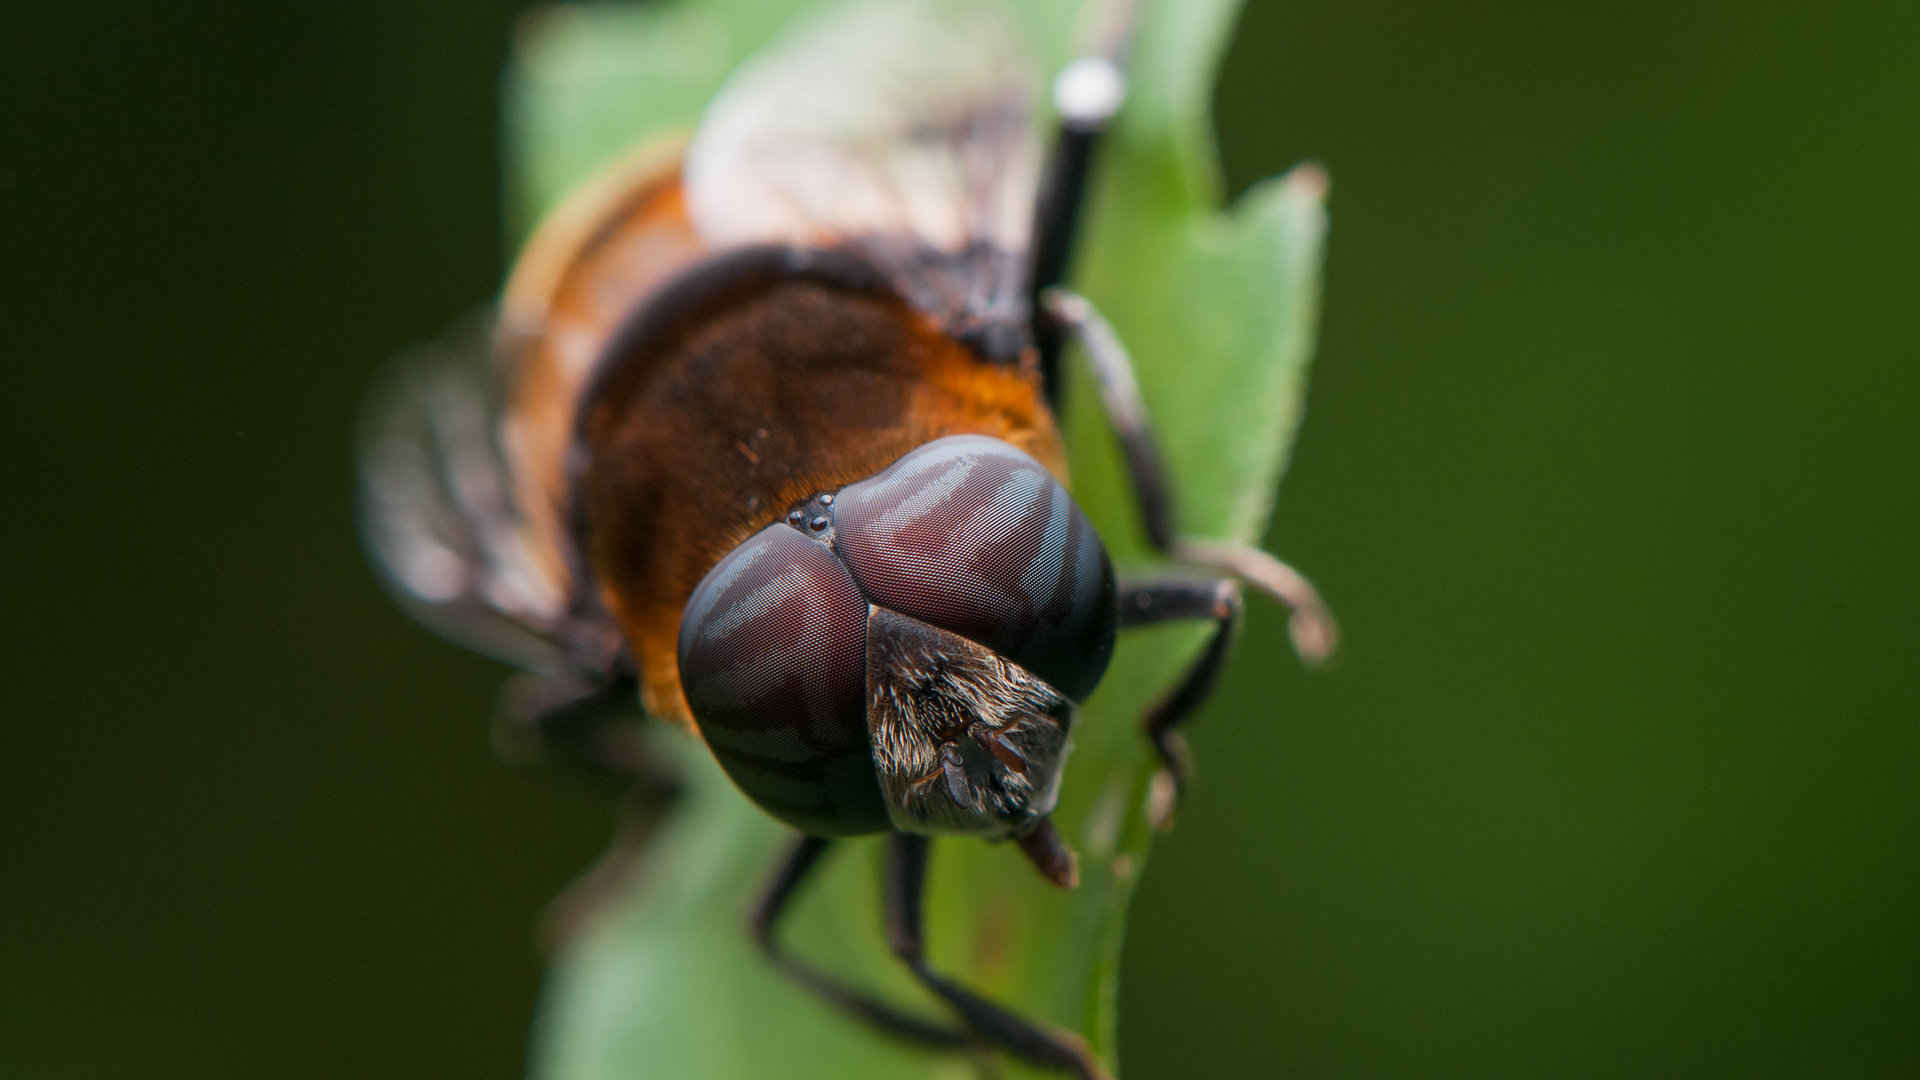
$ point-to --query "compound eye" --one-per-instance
(972, 536)
(773, 663)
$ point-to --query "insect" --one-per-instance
(764, 438)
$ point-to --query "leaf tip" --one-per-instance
(1308, 180)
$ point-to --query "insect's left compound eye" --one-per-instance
(970, 535)
(773, 663)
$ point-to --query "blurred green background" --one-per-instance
(1603, 470)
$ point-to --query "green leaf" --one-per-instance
(1218, 313)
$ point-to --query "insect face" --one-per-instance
(906, 652)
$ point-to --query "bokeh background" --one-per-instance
(1609, 470)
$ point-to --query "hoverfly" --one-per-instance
(765, 439)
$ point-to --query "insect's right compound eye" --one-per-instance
(773, 662)
(972, 536)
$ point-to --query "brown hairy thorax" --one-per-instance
(792, 390)
(798, 389)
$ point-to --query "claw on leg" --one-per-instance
(1144, 603)
(1315, 635)
(1169, 781)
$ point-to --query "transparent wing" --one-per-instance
(882, 118)
(437, 505)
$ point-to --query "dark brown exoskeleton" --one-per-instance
(767, 438)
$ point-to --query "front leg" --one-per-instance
(1311, 624)
(996, 1026)
(1146, 603)
(796, 866)
(595, 731)
(592, 729)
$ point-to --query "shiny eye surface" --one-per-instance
(773, 663)
(970, 535)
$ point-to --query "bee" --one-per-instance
(764, 438)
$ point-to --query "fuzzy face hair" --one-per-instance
(964, 740)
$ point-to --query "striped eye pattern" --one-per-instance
(972, 536)
(965, 534)
(773, 662)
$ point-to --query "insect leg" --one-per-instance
(1087, 95)
(1311, 624)
(596, 733)
(906, 880)
(800, 861)
(593, 730)
(1145, 603)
